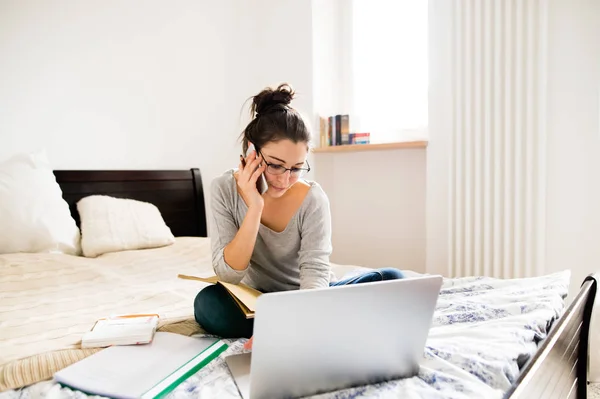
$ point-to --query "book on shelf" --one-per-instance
(338, 129)
(141, 371)
(332, 130)
(244, 296)
(134, 329)
(345, 129)
(323, 131)
(360, 138)
(335, 130)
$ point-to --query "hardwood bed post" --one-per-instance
(583, 361)
(200, 204)
(558, 370)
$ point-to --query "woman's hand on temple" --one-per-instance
(247, 177)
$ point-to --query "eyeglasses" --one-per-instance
(275, 169)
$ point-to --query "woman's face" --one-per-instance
(281, 156)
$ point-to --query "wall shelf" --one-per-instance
(371, 147)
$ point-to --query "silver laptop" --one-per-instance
(312, 341)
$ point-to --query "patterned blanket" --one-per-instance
(483, 332)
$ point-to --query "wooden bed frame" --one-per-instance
(178, 194)
(558, 369)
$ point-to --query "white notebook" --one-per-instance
(121, 330)
(141, 371)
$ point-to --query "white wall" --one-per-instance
(378, 206)
(332, 57)
(439, 147)
(573, 170)
(113, 85)
(275, 46)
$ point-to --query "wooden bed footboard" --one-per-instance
(559, 367)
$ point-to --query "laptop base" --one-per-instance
(239, 366)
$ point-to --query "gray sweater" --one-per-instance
(296, 258)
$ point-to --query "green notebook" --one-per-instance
(141, 371)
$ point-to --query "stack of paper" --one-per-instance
(121, 330)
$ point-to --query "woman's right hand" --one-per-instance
(248, 344)
(247, 177)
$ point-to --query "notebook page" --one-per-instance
(246, 295)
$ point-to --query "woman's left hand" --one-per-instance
(248, 344)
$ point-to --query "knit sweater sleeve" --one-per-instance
(315, 244)
(223, 229)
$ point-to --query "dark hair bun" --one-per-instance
(273, 119)
(273, 99)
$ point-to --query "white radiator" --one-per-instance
(497, 190)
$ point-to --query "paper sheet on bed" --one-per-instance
(483, 330)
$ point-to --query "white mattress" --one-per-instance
(49, 301)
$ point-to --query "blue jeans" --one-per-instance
(387, 273)
(217, 313)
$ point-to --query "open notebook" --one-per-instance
(244, 296)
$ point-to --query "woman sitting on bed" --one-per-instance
(276, 241)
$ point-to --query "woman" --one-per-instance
(280, 239)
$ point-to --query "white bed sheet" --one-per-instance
(483, 330)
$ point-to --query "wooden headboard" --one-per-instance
(178, 194)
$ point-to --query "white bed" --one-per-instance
(40, 320)
(483, 335)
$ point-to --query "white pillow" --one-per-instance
(111, 224)
(34, 217)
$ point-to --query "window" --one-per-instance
(390, 68)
